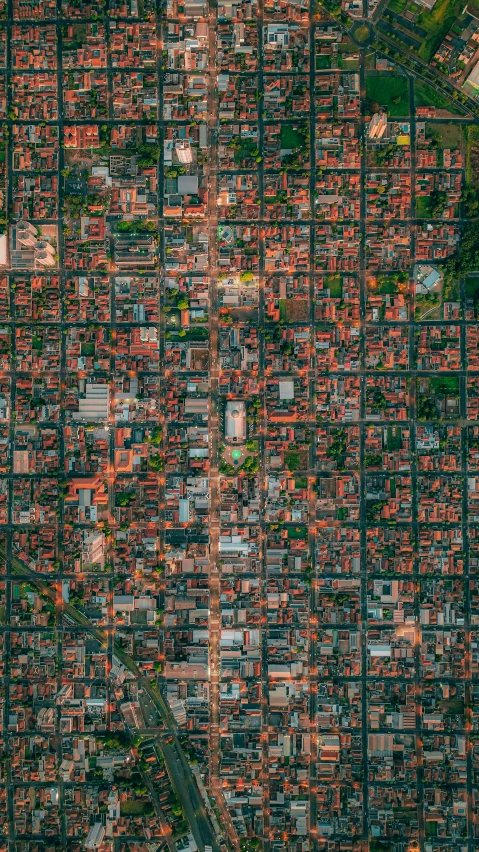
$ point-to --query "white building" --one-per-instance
(95, 405)
(93, 549)
(95, 836)
(277, 35)
(235, 421)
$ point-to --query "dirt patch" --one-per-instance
(294, 310)
(199, 359)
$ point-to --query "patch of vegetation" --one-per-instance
(389, 92)
(116, 739)
(425, 302)
(439, 388)
(472, 288)
(362, 33)
(297, 532)
(373, 459)
(290, 137)
(380, 845)
(426, 407)
(398, 6)
(295, 139)
(377, 400)
(124, 499)
(444, 385)
(292, 460)
(470, 194)
(374, 510)
(466, 257)
(245, 149)
(445, 135)
(136, 808)
(437, 22)
(322, 62)
(155, 437)
(394, 438)
(87, 350)
(250, 844)
(388, 285)
(156, 462)
(132, 227)
(293, 310)
(338, 448)
(425, 95)
(250, 465)
(470, 199)
(453, 707)
(335, 286)
(148, 155)
(431, 206)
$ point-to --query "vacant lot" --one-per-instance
(296, 460)
(472, 288)
(294, 310)
(290, 138)
(131, 808)
(447, 133)
(390, 92)
(335, 286)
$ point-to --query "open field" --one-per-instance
(389, 92)
(448, 134)
(290, 138)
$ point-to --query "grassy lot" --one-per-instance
(131, 808)
(335, 286)
(296, 460)
(297, 532)
(472, 288)
(390, 92)
(398, 6)
(386, 285)
(290, 138)
(444, 385)
(425, 95)
(423, 204)
(394, 438)
(349, 63)
(448, 135)
(323, 62)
